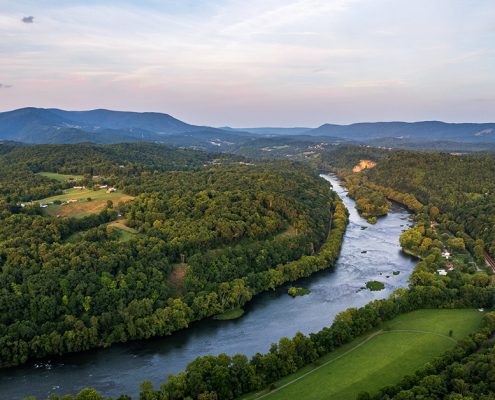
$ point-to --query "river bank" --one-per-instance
(122, 368)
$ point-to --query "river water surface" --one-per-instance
(369, 252)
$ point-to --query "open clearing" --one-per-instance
(176, 278)
(61, 177)
(125, 233)
(82, 206)
(121, 224)
(380, 358)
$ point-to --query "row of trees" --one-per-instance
(228, 377)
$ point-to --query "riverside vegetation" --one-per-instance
(466, 370)
(203, 235)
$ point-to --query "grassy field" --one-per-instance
(125, 233)
(61, 177)
(380, 358)
(82, 207)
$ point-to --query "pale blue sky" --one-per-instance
(254, 63)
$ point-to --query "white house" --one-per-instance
(441, 272)
(446, 254)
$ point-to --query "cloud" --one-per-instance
(28, 20)
(2, 86)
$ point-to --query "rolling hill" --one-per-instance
(52, 126)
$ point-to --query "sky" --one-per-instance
(253, 63)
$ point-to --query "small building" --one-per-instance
(80, 187)
(441, 272)
(450, 267)
(102, 186)
(446, 254)
(43, 205)
(111, 190)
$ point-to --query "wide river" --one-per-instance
(369, 252)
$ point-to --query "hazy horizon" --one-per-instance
(256, 126)
(253, 64)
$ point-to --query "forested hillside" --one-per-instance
(461, 187)
(203, 235)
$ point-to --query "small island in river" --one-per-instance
(298, 291)
(375, 286)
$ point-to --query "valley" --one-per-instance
(122, 368)
(231, 200)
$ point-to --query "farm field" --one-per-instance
(82, 206)
(61, 177)
(377, 359)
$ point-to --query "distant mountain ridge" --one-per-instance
(50, 125)
(425, 130)
(40, 125)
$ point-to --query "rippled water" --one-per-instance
(367, 254)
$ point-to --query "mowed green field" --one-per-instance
(61, 177)
(378, 359)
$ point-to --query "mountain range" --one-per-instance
(39, 125)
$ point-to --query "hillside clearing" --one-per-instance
(80, 205)
(61, 177)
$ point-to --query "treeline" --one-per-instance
(228, 377)
(201, 379)
(70, 284)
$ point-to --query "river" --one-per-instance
(369, 252)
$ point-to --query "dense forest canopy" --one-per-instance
(203, 235)
(461, 187)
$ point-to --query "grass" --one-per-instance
(82, 207)
(380, 358)
(231, 314)
(124, 235)
(61, 177)
(124, 232)
(120, 224)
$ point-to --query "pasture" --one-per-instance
(83, 202)
(380, 358)
(61, 177)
